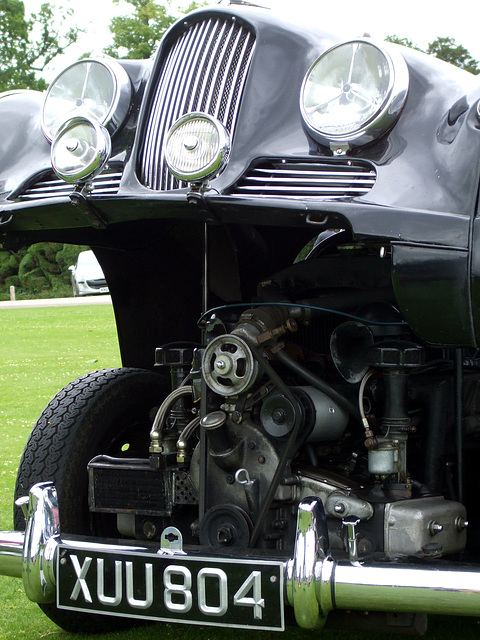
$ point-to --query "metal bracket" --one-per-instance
(350, 523)
(79, 200)
(171, 542)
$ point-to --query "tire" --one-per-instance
(99, 413)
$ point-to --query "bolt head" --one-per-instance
(191, 143)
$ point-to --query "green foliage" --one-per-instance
(445, 49)
(9, 262)
(137, 35)
(41, 271)
(405, 42)
(27, 45)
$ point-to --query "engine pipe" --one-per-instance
(316, 583)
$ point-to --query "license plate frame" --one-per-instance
(243, 593)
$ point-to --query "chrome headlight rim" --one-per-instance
(209, 169)
(387, 113)
(100, 156)
(119, 103)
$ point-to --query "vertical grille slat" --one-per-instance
(208, 75)
(201, 45)
(204, 70)
(238, 82)
(228, 69)
(164, 108)
(155, 127)
(176, 87)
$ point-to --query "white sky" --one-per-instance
(418, 20)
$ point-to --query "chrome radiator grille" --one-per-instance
(49, 186)
(316, 179)
(204, 70)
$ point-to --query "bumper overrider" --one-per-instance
(116, 579)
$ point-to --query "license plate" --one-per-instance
(241, 593)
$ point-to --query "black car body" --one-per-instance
(298, 324)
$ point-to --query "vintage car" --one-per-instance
(287, 222)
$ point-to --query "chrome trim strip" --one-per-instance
(337, 174)
(300, 189)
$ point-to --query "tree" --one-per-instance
(138, 35)
(445, 49)
(28, 45)
(405, 42)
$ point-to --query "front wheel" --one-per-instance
(104, 412)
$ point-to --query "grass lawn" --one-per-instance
(42, 350)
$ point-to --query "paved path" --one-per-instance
(55, 302)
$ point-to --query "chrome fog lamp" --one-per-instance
(80, 150)
(353, 93)
(197, 147)
(98, 89)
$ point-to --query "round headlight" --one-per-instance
(80, 150)
(97, 89)
(353, 93)
(197, 147)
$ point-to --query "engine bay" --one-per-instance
(315, 390)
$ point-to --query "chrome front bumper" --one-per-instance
(315, 583)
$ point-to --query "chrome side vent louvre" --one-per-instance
(316, 179)
(204, 70)
(49, 186)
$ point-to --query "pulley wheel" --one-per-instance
(229, 366)
(225, 526)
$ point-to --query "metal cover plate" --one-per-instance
(228, 592)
